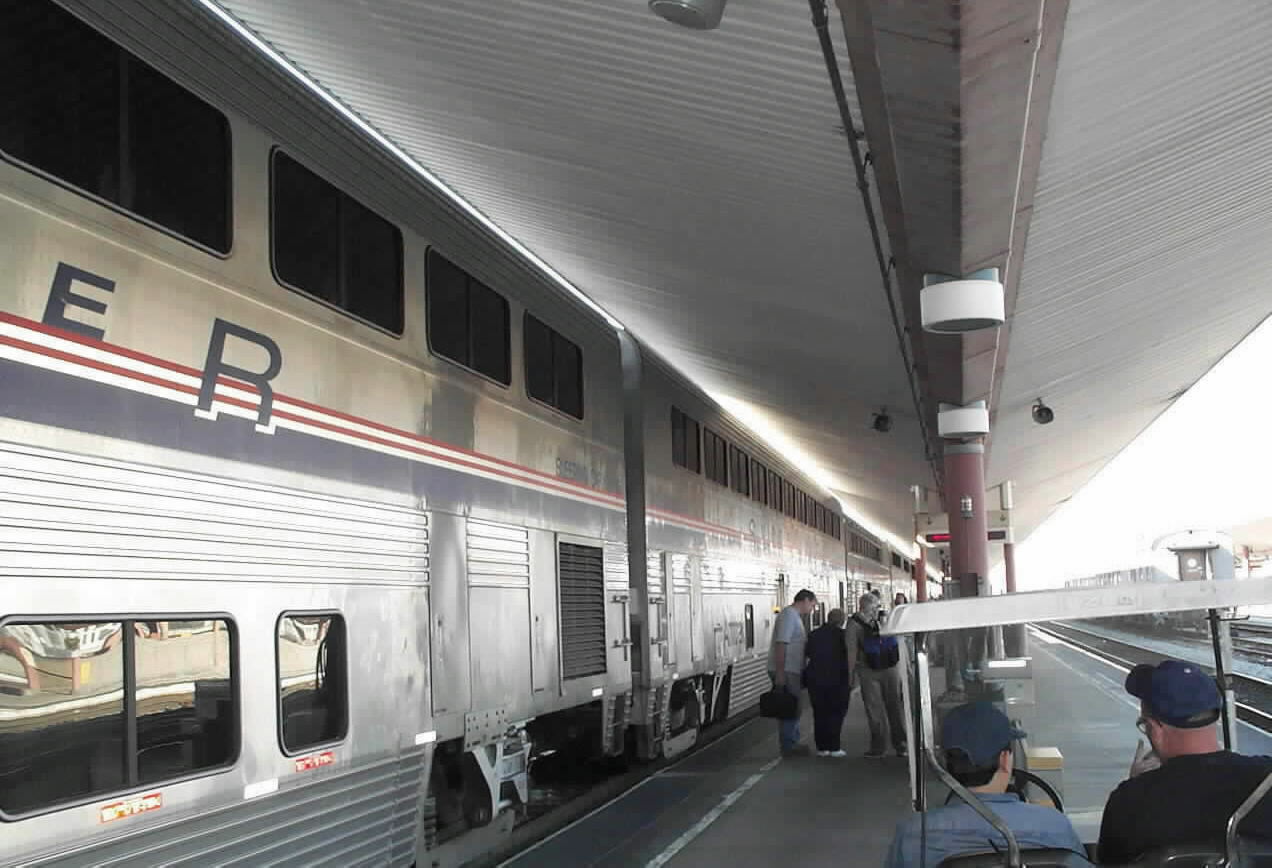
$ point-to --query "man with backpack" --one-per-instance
(875, 661)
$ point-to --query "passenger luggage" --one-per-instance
(779, 703)
(882, 652)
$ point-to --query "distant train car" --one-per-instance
(1138, 575)
(328, 514)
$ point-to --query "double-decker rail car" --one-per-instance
(324, 509)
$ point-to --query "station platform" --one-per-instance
(735, 803)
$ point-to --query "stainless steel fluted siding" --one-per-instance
(364, 817)
(97, 519)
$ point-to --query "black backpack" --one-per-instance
(882, 652)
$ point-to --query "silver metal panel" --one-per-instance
(448, 600)
(545, 661)
(499, 642)
(1131, 599)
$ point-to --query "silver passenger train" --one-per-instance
(324, 512)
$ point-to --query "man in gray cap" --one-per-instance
(976, 739)
(1185, 790)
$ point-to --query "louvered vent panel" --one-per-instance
(654, 574)
(681, 582)
(582, 610)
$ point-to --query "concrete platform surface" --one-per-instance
(736, 803)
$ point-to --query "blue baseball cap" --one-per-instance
(978, 729)
(1176, 693)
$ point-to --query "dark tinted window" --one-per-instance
(89, 113)
(554, 368)
(715, 457)
(774, 490)
(65, 726)
(759, 482)
(467, 320)
(313, 696)
(740, 470)
(330, 246)
(748, 623)
(685, 441)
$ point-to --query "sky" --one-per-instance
(1203, 464)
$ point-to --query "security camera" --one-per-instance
(882, 422)
(1042, 414)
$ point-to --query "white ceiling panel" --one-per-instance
(694, 184)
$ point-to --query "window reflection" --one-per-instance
(185, 717)
(311, 679)
(62, 725)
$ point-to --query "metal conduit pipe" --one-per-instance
(821, 22)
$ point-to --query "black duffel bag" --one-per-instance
(779, 703)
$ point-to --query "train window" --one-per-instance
(748, 624)
(775, 490)
(686, 445)
(330, 246)
(788, 499)
(715, 456)
(468, 322)
(554, 368)
(759, 482)
(87, 708)
(313, 698)
(740, 471)
(83, 110)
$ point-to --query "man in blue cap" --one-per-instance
(1184, 791)
(976, 739)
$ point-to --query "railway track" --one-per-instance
(1253, 694)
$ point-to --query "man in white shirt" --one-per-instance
(786, 664)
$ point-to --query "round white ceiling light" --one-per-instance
(958, 306)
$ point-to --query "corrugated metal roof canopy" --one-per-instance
(1148, 255)
(697, 185)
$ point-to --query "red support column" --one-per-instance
(920, 575)
(969, 536)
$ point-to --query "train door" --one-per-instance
(661, 644)
(695, 609)
(681, 608)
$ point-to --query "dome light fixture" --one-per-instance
(882, 422)
(1042, 414)
(694, 14)
(958, 306)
